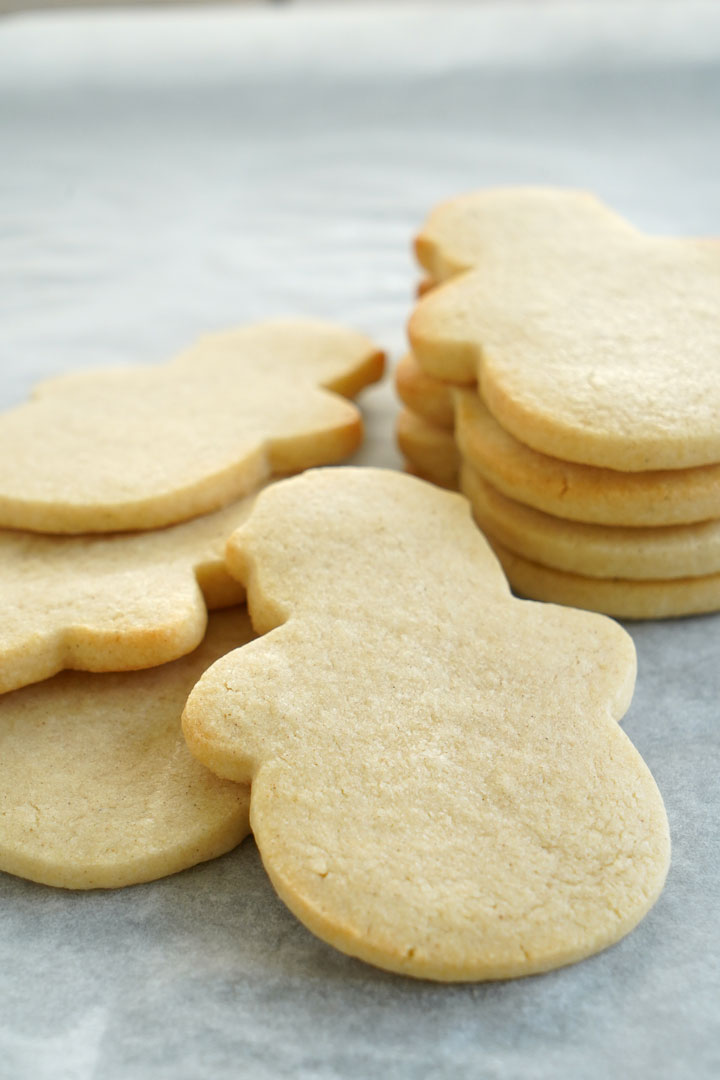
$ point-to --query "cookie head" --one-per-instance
(439, 782)
(465, 231)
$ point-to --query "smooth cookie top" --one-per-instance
(599, 347)
(142, 447)
(439, 782)
(460, 232)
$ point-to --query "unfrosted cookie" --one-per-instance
(599, 346)
(427, 448)
(436, 476)
(463, 231)
(598, 551)
(581, 492)
(620, 597)
(97, 786)
(425, 285)
(429, 398)
(142, 447)
(439, 782)
(111, 603)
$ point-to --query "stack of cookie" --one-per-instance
(97, 787)
(578, 362)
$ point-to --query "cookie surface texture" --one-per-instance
(605, 353)
(111, 603)
(143, 447)
(97, 786)
(439, 782)
(581, 492)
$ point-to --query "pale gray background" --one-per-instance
(167, 172)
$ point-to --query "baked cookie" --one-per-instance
(111, 603)
(439, 782)
(424, 286)
(97, 786)
(436, 477)
(427, 448)
(599, 346)
(143, 447)
(463, 231)
(620, 597)
(429, 398)
(598, 551)
(581, 492)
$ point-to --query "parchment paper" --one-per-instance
(164, 173)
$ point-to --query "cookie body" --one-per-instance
(111, 603)
(598, 346)
(97, 786)
(145, 447)
(439, 782)
(621, 597)
(423, 395)
(581, 492)
(429, 449)
(601, 551)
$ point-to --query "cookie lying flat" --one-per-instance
(465, 230)
(600, 551)
(603, 353)
(429, 398)
(111, 603)
(622, 598)
(439, 782)
(149, 446)
(581, 492)
(97, 786)
(428, 448)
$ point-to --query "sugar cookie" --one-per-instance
(143, 447)
(431, 476)
(97, 786)
(111, 603)
(429, 398)
(599, 551)
(462, 232)
(439, 782)
(428, 448)
(600, 347)
(581, 492)
(622, 598)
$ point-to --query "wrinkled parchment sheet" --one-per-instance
(167, 172)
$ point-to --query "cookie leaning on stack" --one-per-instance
(439, 782)
(98, 789)
(565, 325)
